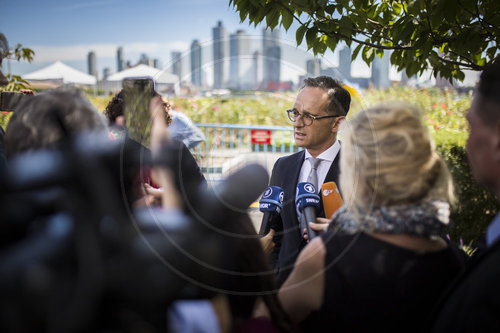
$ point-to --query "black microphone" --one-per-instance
(307, 201)
(270, 204)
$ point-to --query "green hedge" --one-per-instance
(476, 206)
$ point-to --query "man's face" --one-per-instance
(481, 146)
(317, 137)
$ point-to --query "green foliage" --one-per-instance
(18, 53)
(443, 35)
(476, 205)
(444, 113)
(255, 109)
(16, 83)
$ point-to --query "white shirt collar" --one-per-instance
(329, 154)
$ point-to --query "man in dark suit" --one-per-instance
(319, 108)
(473, 302)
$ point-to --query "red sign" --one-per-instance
(260, 137)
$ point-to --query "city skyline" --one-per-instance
(58, 30)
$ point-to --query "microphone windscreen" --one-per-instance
(272, 200)
(306, 196)
(243, 187)
(332, 200)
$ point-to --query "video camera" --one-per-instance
(75, 257)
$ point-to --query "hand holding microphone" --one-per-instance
(270, 204)
(307, 201)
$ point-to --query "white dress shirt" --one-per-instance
(327, 158)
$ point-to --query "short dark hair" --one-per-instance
(339, 99)
(488, 89)
(116, 106)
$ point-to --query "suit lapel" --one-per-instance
(292, 174)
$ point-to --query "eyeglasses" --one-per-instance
(307, 118)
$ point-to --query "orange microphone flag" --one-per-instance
(331, 198)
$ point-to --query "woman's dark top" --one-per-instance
(375, 286)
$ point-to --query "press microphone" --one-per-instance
(270, 204)
(332, 200)
(307, 201)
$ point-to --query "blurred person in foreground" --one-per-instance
(382, 264)
(47, 120)
(472, 304)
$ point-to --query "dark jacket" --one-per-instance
(472, 304)
(288, 237)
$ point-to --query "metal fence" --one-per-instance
(226, 145)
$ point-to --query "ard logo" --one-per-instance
(309, 188)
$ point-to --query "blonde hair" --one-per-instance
(388, 158)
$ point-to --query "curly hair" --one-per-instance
(115, 108)
(388, 158)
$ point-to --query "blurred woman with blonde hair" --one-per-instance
(382, 264)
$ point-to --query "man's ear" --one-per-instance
(336, 123)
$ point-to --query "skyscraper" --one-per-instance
(271, 51)
(240, 73)
(176, 61)
(196, 77)
(380, 71)
(92, 63)
(120, 63)
(345, 62)
(313, 67)
(219, 37)
(257, 69)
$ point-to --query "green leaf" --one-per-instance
(331, 42)
(368, 54)
(299, 34)
(356, 52)
(272, 18)
(491, 52)
(311, 36)
(286, 18)
(346, 26)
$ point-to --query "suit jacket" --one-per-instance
(472, 303)
(288, 238)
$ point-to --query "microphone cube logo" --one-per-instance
(268, 193)
(327, 192)
(282, 195)
(309, 188)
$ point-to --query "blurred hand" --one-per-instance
(170, 197)
(320, 226)
(155, 194)
(267, 242)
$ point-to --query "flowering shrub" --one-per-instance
(444, 113)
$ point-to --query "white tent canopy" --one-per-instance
(159, 76)
(165, 82)
(61, 72)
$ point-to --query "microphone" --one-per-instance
(332, 200)
(270, 204)
(307, 201)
